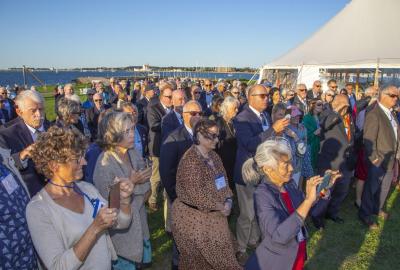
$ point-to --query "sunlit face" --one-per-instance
(258, 99)
(32, 113)
(209, 140)
(232, 110)
(276, 97)
(128, 136)
(333, 86)
(283, 173)
(302, 91)
(166, 97)
(389, 99)
(71, 170)
(3, 93)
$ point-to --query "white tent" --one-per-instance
(363, 33)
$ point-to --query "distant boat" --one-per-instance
(230, 75)
(153, 74)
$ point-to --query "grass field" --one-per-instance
(346, 246)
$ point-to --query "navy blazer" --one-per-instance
(144, 139)
(279, 229)
(203, 100)
(16, 138)
(249, 135)
(142, 111)
(172, 150)
(169, 123)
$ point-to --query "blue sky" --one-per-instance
(88, 33)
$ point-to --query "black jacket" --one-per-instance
(155, 114)
(172, 150)
(336, 151)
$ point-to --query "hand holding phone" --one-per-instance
(325, 182)
(114, 197)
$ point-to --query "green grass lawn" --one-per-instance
(346, 246)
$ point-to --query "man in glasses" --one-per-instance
(172, 150)
(155, 113)
(92, 114)
(253, 125)
(300, 100)
(207, 95)
(316, 90)
(332, 85)
(381, 144)
(173, 119)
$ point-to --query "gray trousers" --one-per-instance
(247, 230)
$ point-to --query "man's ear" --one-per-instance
(18, 111)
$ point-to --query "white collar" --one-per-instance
(386, 111)
(33, 130)
(165, 107)
(255, 111)
(189, 130)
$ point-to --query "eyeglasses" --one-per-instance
(194, 113)
(235, 93)
(262, 96)
(329, 95)
(302, 90)
(169, 97)
(207, 84)
(98, 100)
(318, 104)
(318, 85)
(392, 95)
(211, 136)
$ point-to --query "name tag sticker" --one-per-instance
(220, 182)
(97, 205)
(300, 236)
(9, 184)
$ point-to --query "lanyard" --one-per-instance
(75, 188)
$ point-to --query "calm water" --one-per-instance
(62, 77)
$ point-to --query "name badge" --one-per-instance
(220, 182)
(97, 205)
(9, 184)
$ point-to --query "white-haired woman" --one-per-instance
(281, 207)
(227, 145)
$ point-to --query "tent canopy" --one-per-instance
(360, 34)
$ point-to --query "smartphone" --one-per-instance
(325, 182)
(114, 196)
(288, 113)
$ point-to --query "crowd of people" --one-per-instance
(206, 152)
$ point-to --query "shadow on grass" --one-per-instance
(387, 252)
(338, 243)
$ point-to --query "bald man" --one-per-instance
(337, 153)
(172, 150)
(173, 119)
(253, 125)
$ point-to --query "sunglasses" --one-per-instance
(98, 100)
(302, 90)
(194, 113)
(207, 84)
(318, 104)
(235, 93)
(392, 95)
(330, 95)
(318, 86)
(263, 96)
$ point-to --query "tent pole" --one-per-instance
(376, 81)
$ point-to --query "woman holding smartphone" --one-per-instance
(69, 220)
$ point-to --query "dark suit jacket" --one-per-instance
(310, 95)
(142, 111)
(203, 101)
(249, 134)
(17, 137)
(92, 117)
(336, 151)
(299, 104)
(379, 139)
(172, 150)
(144, 139)
(169, 123)
(278, 248)
(12, 114)
(155, 114)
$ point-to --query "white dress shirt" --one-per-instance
(391, 118)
